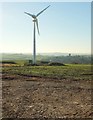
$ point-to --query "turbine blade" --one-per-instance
(37, 26)
(42, 11)
(28, 14)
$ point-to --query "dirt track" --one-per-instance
(34, 97)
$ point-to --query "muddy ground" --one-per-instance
(35, 97)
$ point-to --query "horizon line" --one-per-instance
(43, 53)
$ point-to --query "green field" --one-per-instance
(72, 71)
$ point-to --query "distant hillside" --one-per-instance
(6, 56)
(66, 58)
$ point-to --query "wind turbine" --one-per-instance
(35, 21)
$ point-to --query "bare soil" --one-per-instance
(35, 97)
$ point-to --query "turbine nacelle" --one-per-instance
(34, 20)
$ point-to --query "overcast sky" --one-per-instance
(64, 27)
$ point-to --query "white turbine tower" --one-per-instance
(35, 20)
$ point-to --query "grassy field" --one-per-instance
(80, 71)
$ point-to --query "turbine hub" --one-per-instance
(33, 16)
